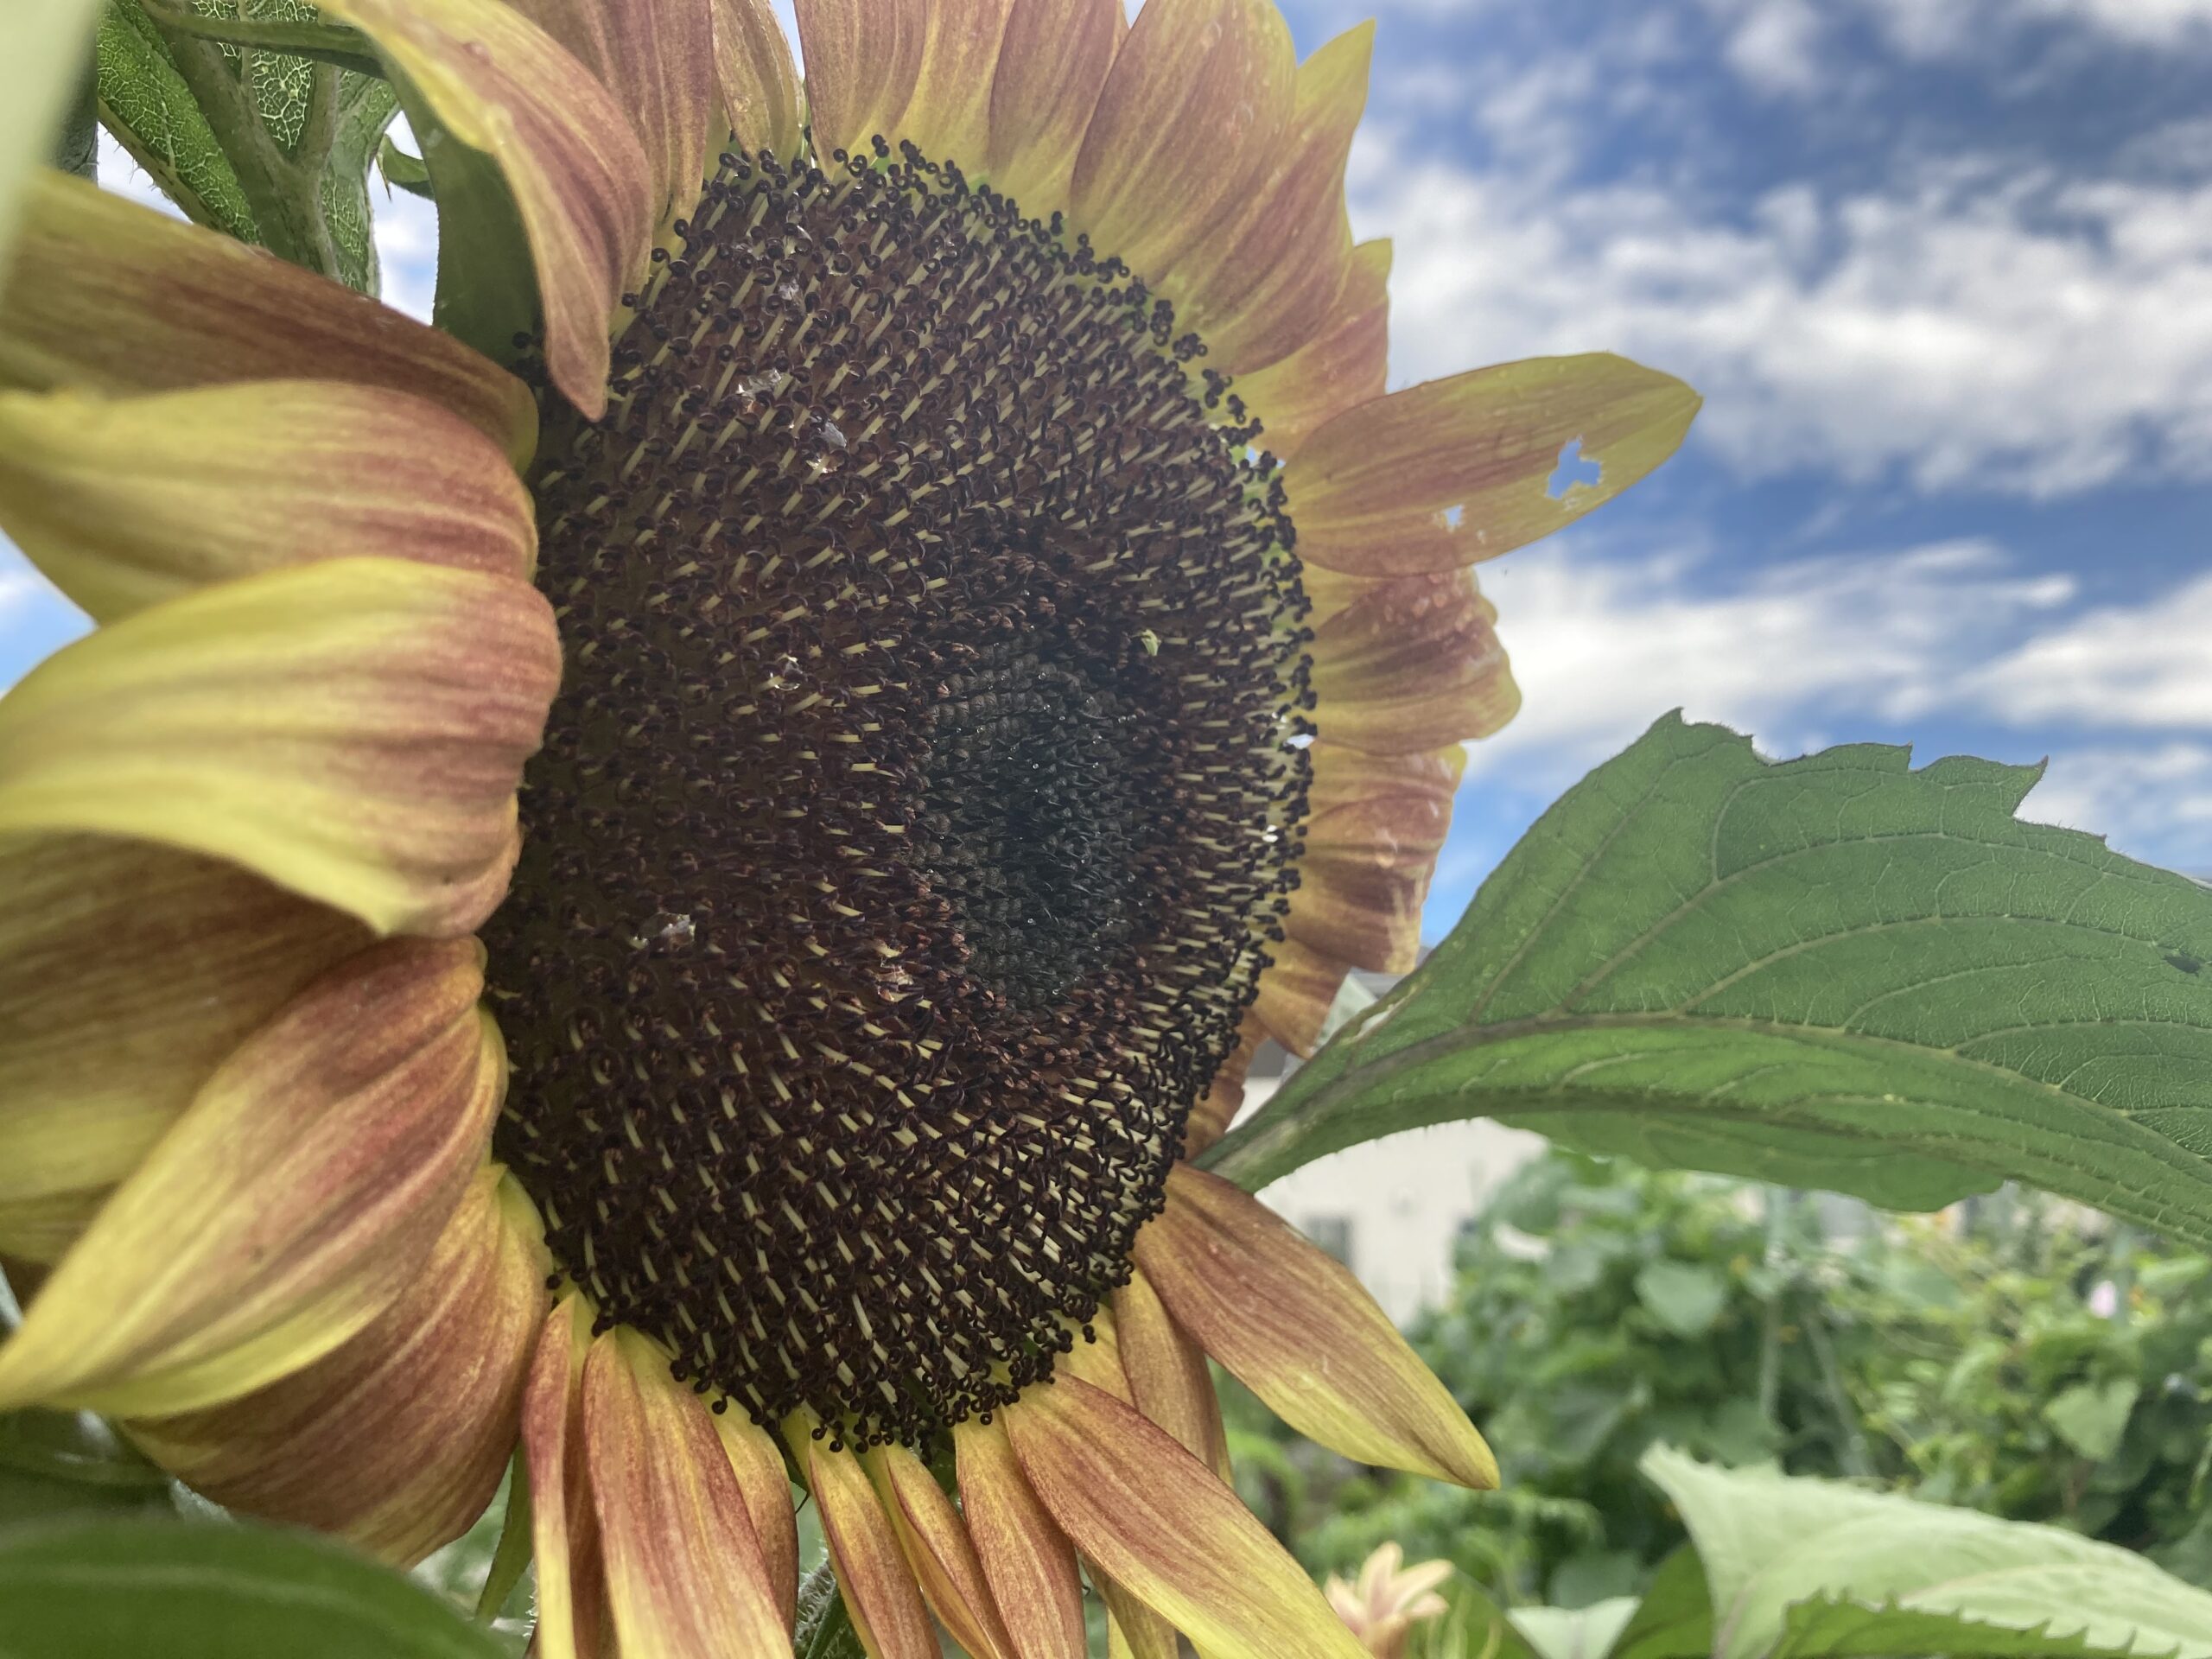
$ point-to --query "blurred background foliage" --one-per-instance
(2017, 1355)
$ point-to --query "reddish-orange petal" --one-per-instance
(656, 58)
(1262, 286)
(767, 1491)
(1191, 114)
(499, 83)
(1345, 364)
(1052, 63)
(1296, 994)
(1407, 664)
(108, 295)
(1294, 1325)
(396, 1439)
(939, 1551)
(1374, 827)
(292, 1203)
(756, 79)
(128, 973)
(950, 114)
(1163, 1527)
(1167, 1373)
(1024, 1557)
(880, 1589)
(686, 1576)
(353, 730)
(1450, 471)
(573, 1617)
(125, 502)
(863, 58)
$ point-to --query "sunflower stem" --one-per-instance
(825, 1624)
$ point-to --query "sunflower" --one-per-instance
(682, 900)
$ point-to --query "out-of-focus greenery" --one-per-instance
(2028, 1360)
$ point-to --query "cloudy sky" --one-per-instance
(1944, 271)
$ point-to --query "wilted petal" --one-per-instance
(767, 1493)
(1168, 1379)
(1342, 365)
(1296, 994)
(1190, 116)
(684, 1573)
(1409, 663)
(125, 502)
(396, 1439)
(862, 60)
(295, 1199)
(1164, 1527)
(501, 84)
(128, 972)
(880, 1589)
(656, 57)
(109, 296)
(938, 1549)
(1442, 474)
(1374, 825)
(573, 1617)
(1294, 1325)
(1262, 286)
(353, 730)
(1026, 1558)
(755, 77)
(1053, 59)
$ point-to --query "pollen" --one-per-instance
(924, 795)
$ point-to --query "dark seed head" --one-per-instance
(923, 792)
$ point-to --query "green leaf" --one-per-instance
(96, 1589)
(1675, 1619)
(1799, 1566)
(2091, 1417)
(56, 1463)
(1835, 971)
(1683, 1297)
(145, 103)
(1578, 1633)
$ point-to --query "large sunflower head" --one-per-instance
(677, 868)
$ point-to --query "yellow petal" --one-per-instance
(862, 58)
(1168, 1379)
(1132, 1630)
(950, 114)
(573, 1617)
(1296, 993)
(1026, 1558)
(880, 1589)
(125, 502)
(109, 296)
(293, 1200)
(128, 972)
(353, 730)
(656, 58)
(1374, 827)
(938, 1549)
(756, 79)
(1450, 471)
(1163, 1527)
(1262, 286)
(684, 1573)
(1294, 1326)
(501, 84)
(1341, 366)
(767, 1491)
(43, 51)
(1189, 120)
(1053, 59)
(396, 1439)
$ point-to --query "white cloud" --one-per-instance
(1799, 654)
(2146, 665)
(1969, 327)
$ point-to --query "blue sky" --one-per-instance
(1943, 269)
